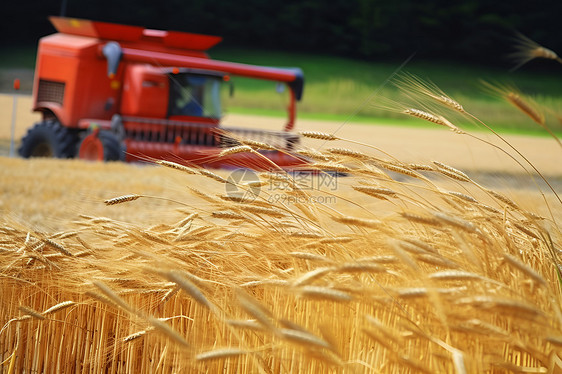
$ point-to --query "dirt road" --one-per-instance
(407, 144)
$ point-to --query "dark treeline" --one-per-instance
(469, 30)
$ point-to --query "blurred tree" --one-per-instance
(371, 29)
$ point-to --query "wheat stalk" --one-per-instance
(258, 145)
(349, 153)
(168, 331)
(433, 118)
(256, 310)
(330, 166)
(304, 338)
(310, 256)
(420, 167)
(410, 83)
(250, 324)
(31, 312)
(527, 50)
(313, 154)
(187, 286)
(175, 165)
(228, 215)
(210, 174)
(451, 172)
(318, 135)
(59, 307)
(312, 275)
(57, 247)
(122, 199)
(446, 275)
(360, 267)
(375, 191)
(515, 307)
(219, 353)
(425, 220)
(527, 270)
(324, 293)
(355, 221)
(235, 150)
(462, 196)
(138, 334)
(525, 107)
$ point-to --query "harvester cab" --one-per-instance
(115, 92)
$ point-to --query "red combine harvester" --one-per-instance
(115, 92)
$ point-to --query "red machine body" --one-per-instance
(144, 94)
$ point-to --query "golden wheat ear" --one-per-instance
(527, 49)
(523, 103)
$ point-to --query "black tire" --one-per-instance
(48, 139)
(113, 150)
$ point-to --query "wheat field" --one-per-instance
(370, 264)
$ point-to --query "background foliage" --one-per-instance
(474, 30)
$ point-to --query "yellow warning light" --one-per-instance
(74, 23)
(115, 85)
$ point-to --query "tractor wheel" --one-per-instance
(48, 139)
(101, 146)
